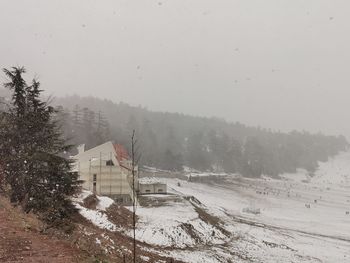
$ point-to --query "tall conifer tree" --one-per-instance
(32, 153)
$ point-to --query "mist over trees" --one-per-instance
(83, 126)
(171, 141)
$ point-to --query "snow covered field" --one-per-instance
(302, 218)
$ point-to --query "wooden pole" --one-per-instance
(90, 175)
(100, 171)
(110, 175)
(133, 191)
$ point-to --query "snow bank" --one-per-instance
(175, 224)
(104, 202)
(206, 174)
(98, 218)
(149, 180)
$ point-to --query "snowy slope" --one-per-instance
(334, 172)
(176, 223)
(95, 216)
(302, 219)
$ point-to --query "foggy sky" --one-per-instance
(282, 64)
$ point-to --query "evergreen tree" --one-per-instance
(232, 161)
(197, 153)
(14, 137)
(102, 131)
(253, 158)
(149, 145)
(32, 153)
(171, 161)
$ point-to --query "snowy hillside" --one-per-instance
(302, 219)
(228, 218)
(176, 224)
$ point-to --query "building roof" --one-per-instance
(121, 152)
(104, 152)
(109, 150)
(154, 183)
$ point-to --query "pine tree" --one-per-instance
(32, 153)
(13, 137)
(197, 152)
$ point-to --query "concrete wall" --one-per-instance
(103, 153)
(156, 188)
(106, 180)
(122, 199)
(101, 176)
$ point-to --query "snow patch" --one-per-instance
(98, 218)
(104, 202)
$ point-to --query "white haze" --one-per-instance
(281, 64)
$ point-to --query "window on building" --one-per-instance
(94, 177)
(119, 200)
(109, 163)
(160, 190)
(148, 191)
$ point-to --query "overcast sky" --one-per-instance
(281, 64)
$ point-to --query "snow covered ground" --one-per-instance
(176, 224)
(302, 218)
(95, 216)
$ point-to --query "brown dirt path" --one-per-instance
(18, 243)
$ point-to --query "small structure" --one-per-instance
(106, 170)
(152, 188)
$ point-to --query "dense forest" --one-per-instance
(171, 141)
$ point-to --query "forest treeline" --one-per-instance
(171, 140)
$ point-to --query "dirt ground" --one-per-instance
(21, 242)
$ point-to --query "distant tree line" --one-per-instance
(83, 126)
(171, 141)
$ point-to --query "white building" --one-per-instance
(152, 188)
(106, 170)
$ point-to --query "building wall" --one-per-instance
(105, 180)
(122, 199)
(155, 188)
(103, 153)
(101, 176)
